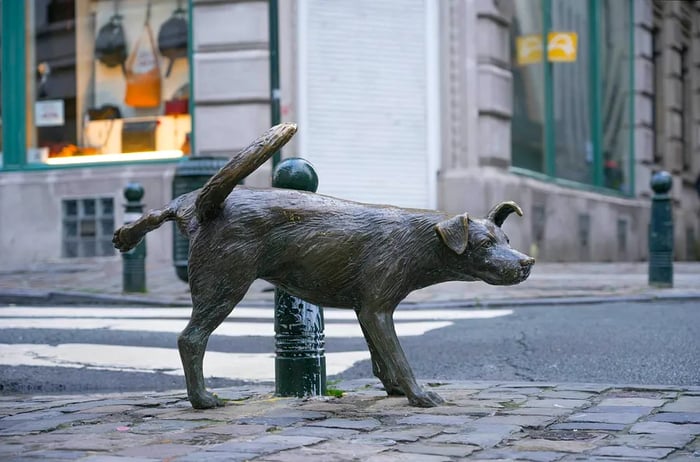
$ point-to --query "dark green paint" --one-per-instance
(134, 261)
(275, 112)
(300, 364)
(595, 91)
(550, 162)
(191, 173)
(14, 84)
(661, 232)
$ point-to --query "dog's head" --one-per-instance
(484, 249)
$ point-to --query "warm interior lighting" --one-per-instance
(102, 158)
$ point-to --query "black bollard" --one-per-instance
(300, 364)
(134, 261)
(661, 232)
(191, 173)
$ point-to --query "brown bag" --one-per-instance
(143, 81)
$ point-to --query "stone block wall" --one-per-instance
(231, 77)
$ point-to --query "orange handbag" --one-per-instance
(143, 81)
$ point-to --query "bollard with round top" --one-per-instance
(134, 261)
(661, 232)
(300, 362)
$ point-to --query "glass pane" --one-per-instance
(107, 227)
(87, 228)
(109, 80)
(88, 207)
(615, 88)
(528, 86)
(107, 206)
(70, 228)
(573, 148)
(88, 248)
(70, 208)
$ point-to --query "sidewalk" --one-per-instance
(480, 421)
(99, 281)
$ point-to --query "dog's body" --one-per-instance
(327, 251)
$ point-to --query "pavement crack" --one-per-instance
(519, 370)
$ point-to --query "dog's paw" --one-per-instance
(120, 241)
(426, 399)
(205, 400)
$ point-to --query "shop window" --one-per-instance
(573, 134)
(88, 225)
(528, 86)
(616, 94)
(109, 80)
(572, 99)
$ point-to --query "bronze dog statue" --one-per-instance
(327, 251)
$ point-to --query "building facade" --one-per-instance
(565, 106)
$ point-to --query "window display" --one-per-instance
(111, 80)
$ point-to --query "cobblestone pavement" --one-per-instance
(481, 421)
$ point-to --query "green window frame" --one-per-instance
(549, 167)
(13, 91)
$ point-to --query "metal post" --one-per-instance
(275, 115)
(661, 232)
(134, 261)
(191, 173)
(300, 364)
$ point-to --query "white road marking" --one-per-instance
(236, 329)
(239, 366)
(251, 313)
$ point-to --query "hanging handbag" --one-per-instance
(143, 81)
(110, 42)
(172, 37)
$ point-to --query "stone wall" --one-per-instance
(231, 77)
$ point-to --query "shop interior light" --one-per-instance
(102, 158)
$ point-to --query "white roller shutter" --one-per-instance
(364, 97)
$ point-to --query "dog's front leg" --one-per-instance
(379, 367)
(378, 326)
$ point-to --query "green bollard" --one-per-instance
(191, 173)
(134, 261)
(661, 232)
(300, 363)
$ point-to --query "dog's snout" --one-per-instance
(527, 262)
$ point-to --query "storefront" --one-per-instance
(98, 93)
(566, 106)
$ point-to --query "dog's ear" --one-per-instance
(500, 212)
(454, 233)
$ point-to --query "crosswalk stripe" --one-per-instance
(244, 321)
(242, 312)
(236, 329)
(237, 366)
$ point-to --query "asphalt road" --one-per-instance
(621, 343)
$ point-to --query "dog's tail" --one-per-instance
(211, 197)
(207, 203)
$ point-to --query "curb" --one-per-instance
(68, 298)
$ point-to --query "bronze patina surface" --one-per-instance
(327, 251)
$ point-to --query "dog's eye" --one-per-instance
(486, 243)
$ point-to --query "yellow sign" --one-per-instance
(528, 49)
(561, 47)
